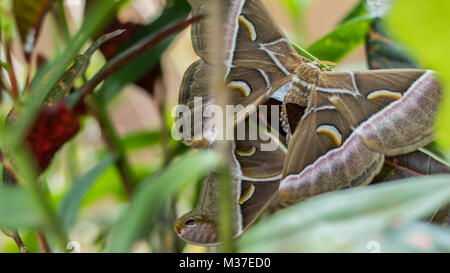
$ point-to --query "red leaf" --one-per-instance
(53, 128)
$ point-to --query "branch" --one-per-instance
(16, 237)
(403, 168)
(43, 243)
(124, 58)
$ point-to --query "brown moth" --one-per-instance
(253, 73)
(256, 177)
(340, 125)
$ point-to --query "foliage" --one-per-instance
(46, 110)
(350, 219)
(429, 42)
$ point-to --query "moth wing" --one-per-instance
(375, 113)
(256, 174)
(393, 111)
(325, 155)
(258, 59)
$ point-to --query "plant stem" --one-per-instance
(17, 239)
(403, 168)
(11, 72)
(113, 142)
(25, 173)
(221, 99)
(63, 19)
(226, 210)
(43, 243)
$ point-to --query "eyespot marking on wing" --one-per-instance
(242, 86)
(247, 194)
(250, 27)
(190, 223)
(332, 132)
(384, 94)
(246, 153)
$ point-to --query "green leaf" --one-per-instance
(17, 209)
(71, 203)
(340, 221)
(342, 40)
(153, 194)
(108, 184)
(434, 151)
(359, 10)
(81, 63)
(423, 27)
(309, 56)
(48, 76)
(140, 140)
(22, 161)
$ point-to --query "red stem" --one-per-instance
(404, 169)
(43, 243)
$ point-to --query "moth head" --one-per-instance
(196, 228)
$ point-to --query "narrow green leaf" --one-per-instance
(81, 63)
(140, 140)
(336, 221)
(434, 151)
(153, 193)
(17, 209)
(360, 9)
(342, 40)
(23, 164)
(28, 108)
(309, 56)
(300, 50)
(48, 76)
(71, 203)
